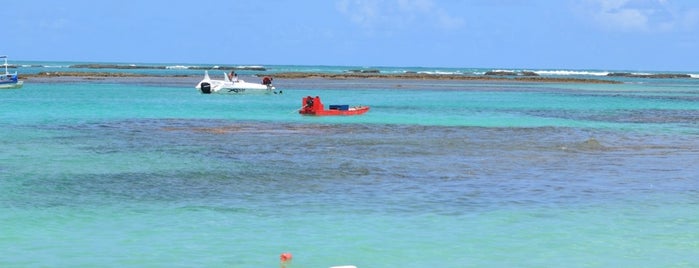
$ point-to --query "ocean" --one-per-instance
(439, 173)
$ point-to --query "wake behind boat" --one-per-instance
(9, 80)
(233, 85)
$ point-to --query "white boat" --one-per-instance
(9, 80)
(235, 86)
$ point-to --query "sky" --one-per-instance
(652, 35)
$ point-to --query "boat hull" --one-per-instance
(351, 111)
(12, 85)
(235, 88)
(214, 86)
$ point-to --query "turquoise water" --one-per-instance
(438, 173)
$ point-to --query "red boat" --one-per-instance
(313, 106)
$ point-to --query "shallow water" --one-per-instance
(438, 173)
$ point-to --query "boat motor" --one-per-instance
(206, 88)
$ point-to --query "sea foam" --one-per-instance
(570, 72)
(177, 67)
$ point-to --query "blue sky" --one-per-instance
(657, 35)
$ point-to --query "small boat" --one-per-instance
(234, 86)
(313, 106)
(9, 80)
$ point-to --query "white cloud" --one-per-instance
(364, 13)
(638, 15)
(397, 14)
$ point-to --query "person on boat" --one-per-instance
(267, 80)
(309, 102)
(233, 76)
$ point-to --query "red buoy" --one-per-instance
(285, 257)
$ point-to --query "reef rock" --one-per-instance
(511, 73)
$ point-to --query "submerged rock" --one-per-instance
(114, 66)
(414, 75)
(501, 73)
(247, 68)
(591, 144)
(133, 66)
(528, 73)
(368, 71)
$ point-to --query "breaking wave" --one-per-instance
(568, 73)
(178, 67)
